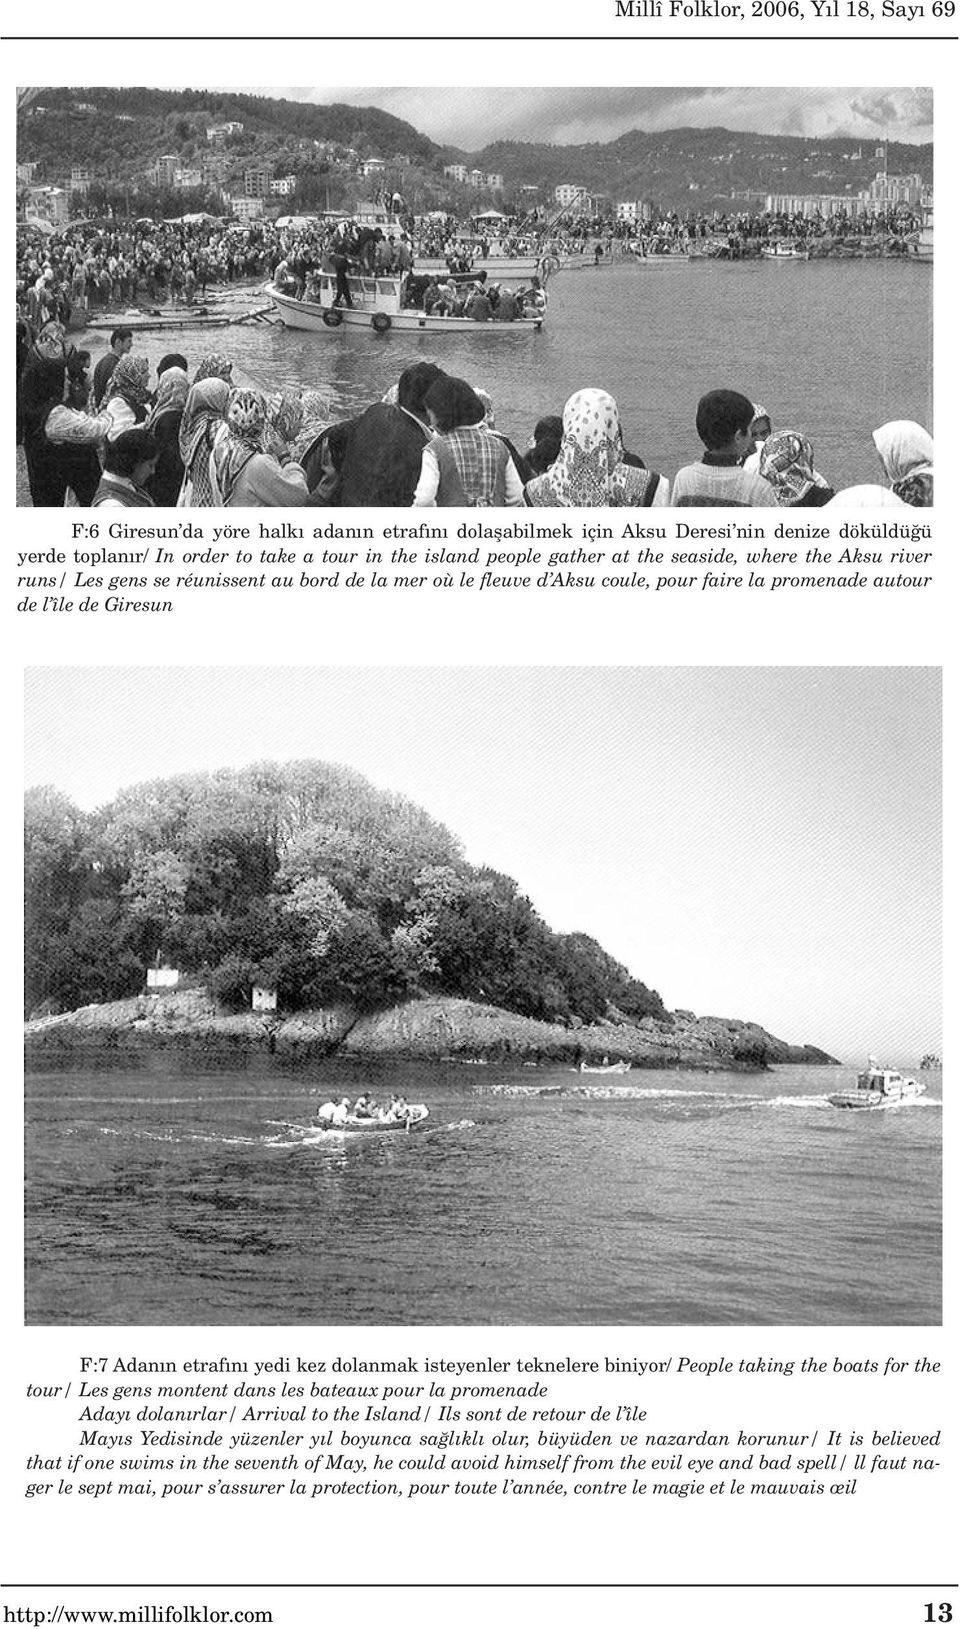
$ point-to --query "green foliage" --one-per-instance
(301, 876)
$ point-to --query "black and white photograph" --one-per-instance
(499, 297)
(483, 996)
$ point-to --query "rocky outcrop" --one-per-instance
(431, 1028)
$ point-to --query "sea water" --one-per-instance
(833, 348)
(163, 1192)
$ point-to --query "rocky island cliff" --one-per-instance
(429, 1029)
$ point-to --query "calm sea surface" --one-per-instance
(834, 348)
(160, 1194)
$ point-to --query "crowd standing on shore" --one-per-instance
(189, 437)
(99, 265)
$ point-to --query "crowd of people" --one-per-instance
(104, 265)
(192, 438)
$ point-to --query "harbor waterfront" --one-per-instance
(656, 336)
(165, 1191)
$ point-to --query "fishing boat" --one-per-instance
(878, 1088)
(621, 1067)
(415, 1115)
(781, 249)
(378, 305)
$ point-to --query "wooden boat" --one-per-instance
(377, 306)
(143, 322)
(621, 1067)
(878, 1088)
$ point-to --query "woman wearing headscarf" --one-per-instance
(284, 423)
(127, 396)
(906, 453)
(203, 416)
(464, 466)
(242, 473)
(760, 428)
(164, 424)
(589, 471)
(213, 366)
(786, 461)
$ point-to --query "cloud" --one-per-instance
(476, 116)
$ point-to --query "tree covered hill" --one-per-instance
(691, 167)
(301, 876)
(118, 133)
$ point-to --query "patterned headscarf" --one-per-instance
(589, 472)
(204, 411)
(286, 415)
(50, 343)
(906, 453)
(232, 452)
(786, 461)
(172, 391)
(130, 379)
(213, 366)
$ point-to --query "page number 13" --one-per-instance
(938, 1614)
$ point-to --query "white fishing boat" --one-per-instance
(621, 1067)
(378, 305)
(781, 249)
(878, 1088)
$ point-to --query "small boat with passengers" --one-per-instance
(621, 1067)
(878, 1088)
(331, 1117)
(378, 304)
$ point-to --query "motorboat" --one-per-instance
(878, 1088)
(378, 305)
(621, 1067)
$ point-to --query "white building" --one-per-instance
(282, 186)
(80, 178)
(456, 172)
(495, 181)
(893, 189)
(812, 203)
(165, 170)
(26, 173)
(48, 204)
(188, 178)
(246, 209)
(372, 166)
(218, 133)
(567, 194)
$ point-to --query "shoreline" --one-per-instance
(429, 1030)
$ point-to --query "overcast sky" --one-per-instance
(753, 842)
(473, 118)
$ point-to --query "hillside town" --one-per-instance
(96, 161)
